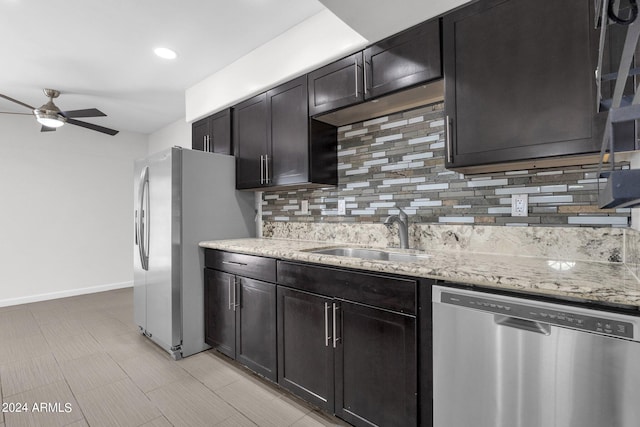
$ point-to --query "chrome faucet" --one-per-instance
(403, 227)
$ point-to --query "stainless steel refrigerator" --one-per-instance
(181, 197)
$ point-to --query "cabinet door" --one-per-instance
(288, 133)
(519, 81)
(199, 133)
(220, 125)
(305, 352)
(376, 367)
(250, 141)
(336, 85)
(220, 322)
(256, 340)
(404, 60)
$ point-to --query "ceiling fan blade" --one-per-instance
(89, 112)
(16, 101)
(19, 114)
(47, 129)
(92, 126)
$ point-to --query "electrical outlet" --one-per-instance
(520, 205)
(304, 207)
(342, 207)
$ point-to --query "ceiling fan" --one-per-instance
(51, 117)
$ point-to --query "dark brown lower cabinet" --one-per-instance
(240, 320)
(375, 367)
(356, 361)
(306, 361)
(220, 321)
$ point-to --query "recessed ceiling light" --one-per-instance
(165, 53)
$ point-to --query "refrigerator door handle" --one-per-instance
(142, 219)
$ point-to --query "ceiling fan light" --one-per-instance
(48, 119)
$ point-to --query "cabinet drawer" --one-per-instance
(252, 266)
(391, 293)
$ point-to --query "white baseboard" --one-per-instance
(64, 294)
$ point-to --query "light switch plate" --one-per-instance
(342, 207)
(520, 205)
(304, 206)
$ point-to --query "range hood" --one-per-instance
(400, 101)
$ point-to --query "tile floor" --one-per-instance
(80, 361)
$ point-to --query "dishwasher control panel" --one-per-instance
(557, 317)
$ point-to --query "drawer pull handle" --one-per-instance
(237, 264)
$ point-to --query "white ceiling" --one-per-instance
(100, 53)
(377, 19)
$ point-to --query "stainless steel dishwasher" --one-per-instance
(500, 361)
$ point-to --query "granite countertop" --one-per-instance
(608, 283)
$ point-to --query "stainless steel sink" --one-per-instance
(373, 254)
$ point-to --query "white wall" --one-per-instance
(366, 16)
(314, 42)
(177, 133)
(65, 216)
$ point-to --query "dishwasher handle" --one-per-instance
(522, 324)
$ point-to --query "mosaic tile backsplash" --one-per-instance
(398, 161)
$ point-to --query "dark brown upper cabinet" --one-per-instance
(213, 133)
(278, 146)
(250, 141)
(406, 60)
(403, 60)
(336, 85)
(519, 79)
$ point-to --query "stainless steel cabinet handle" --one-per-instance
(448, 139)
(336, 307)
(229, 291)
(355, 74)
(267, 180)
(327, 337)
(235, 286)
(238, 264)
(364, 69)
(261, 169)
